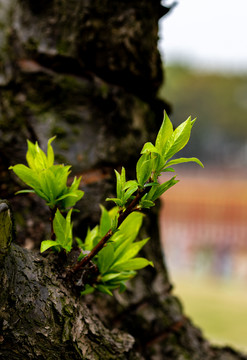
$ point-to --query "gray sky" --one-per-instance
(207, 33)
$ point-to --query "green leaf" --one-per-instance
(50, 152)
(40, 158)
(143, 169)
(132, 264)
(27, 175)
(110, 276)
(105, 222)
(36, 158)
(66, 196)
(91, 238)
(158, 162)
(164, 134)
(46, 244)
(159, 190)
(168, 170)
(30, 155)
(146, 204)
(129, 192)
(130, 184)
(121, 180)
(121, 276)
(128, 230)
(119, 188)
(117, 201)
(123, 177)
(104, 289)
(74, 194)
(79, 242)
(178, 139)
(47, 184)
(41, 194)
(129, 251)
(105, 258)
(181, 161)
(24, 192)
(114, 223)
(148, 148)
(59, 225)
(60, 177)
(68, 232)
(122, 288)
(88, 290)
(72, 199)
(63, 230)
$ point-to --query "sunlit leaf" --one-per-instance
(105, 222)
(46, 244)
(50, 152)
(105, 258)
(183, 160)
(178, 139)
(27, 175)
(148, 148)
(132, 264)
(143, 169)
(164, 134)
(156, 192)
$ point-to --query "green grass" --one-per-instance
(218, 307)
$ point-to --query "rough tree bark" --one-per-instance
(88, 72)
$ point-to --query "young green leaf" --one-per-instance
(181, 161)
(50, 152)
(117, 201)
(104, 289)
(132, 264)
(129, 192)
(92, 238)
(110, 276)
(46, 244)
(127, 251)
(146, 204)
(105, 258)
(164, 134)
(178, 139)
(148, 148)
(156, 192)
(128, 230)
(26, 174)
(63, 230)
(143, 169)
(105, 222)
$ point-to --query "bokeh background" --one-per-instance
(204, 217)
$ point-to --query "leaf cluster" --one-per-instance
(117, 261)
(63, 231)
(47, 180)
(111, 245)
(154, 160)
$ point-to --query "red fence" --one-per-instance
(203, 223)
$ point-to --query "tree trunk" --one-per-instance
(87, 72)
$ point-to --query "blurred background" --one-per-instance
(203, 219)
